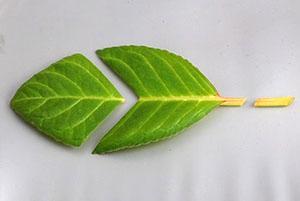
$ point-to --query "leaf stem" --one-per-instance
(235, 102)
(274, 102)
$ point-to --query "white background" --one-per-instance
(246, 48)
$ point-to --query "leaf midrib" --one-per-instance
(180, 98)
(73, 97)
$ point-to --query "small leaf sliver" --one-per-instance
(67, 100)
(274, 102)
(172, 95)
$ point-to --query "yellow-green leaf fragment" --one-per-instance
(172, 95)
(274, 102)
(233, 102)
(67, 100)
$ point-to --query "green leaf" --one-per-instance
(172, 95)
(67, 100)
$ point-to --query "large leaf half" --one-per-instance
(67, 100)
(172, 93)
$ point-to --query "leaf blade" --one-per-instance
(167, 86)
(129, 135)
(67, 100)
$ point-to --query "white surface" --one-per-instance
(246, 48)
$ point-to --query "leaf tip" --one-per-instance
(100, 52)
(98, 151)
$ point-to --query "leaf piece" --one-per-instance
(67, 100)
(274, 102)
(172, 95)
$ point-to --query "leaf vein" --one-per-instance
(167, 118)
(71, 97)
(87, 71)
(41, 84)
(128, 67)
(153, 69)
(148, 119)
(192, 76)
(174, 71)
(88, 115)
(63, 111)
(39, 106)
(202, 78)
(66, 78)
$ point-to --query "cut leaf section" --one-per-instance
(67, 100)
(274, 102)
(173, 94)
(151, 121)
